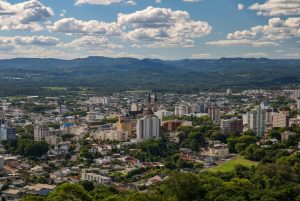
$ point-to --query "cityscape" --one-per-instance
(150, 100)
(134, 140)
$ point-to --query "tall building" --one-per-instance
(124, 124)
(151, 105)
(214, 112)
(233, 125)
(257, 121)
(40, 132)
(296, 94)
(298, 104)
(280, 120)
(6, 132)
(228, 92)
(148, 127)
(181, 110)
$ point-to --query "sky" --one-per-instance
(162, 29)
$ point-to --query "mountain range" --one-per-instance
(33, 76)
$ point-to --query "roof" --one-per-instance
(38, 187)
(12, 191)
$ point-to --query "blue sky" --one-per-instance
(165, 29)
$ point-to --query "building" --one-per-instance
(111, 135)
(280, 120)
(7, 133)
(233, 125)
(228, 92)
(95, 178)
(39, 189)
(257, 120)
(1, 162)
(296, 94)
(172, 125)
(124, 124)
(148, 127)
(12, 194)
(99, 100)
(40, 132)
(214, 112)
(182, 109)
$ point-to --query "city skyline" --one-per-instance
(164, 29)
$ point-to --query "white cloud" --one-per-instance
(201, 56)
(191, 1)
(161, 27)
(92, 27)
(62, 13)
(29, 40)
(23, 16)
(158, 1)
(292, 55)
(104, 2)
(242, 42)
(255, 54)
(240, 6)
(90, 43)
(277, 7)
(277, 30)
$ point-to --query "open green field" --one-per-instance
(229, 166)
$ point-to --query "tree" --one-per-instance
(69, 192)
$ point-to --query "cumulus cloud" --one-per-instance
(23, 16)
(90, 43)
(277, 7)
(104, 2)
(92, 27)
(276, 30)
(161, 27)
(242, 42)
(240, 6)
(255, 54)
(29, 40)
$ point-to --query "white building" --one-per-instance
(99, 100)
(257, 121)
(95, 178)
(296, 94)
(148, 127)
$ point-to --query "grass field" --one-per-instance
(229, 166)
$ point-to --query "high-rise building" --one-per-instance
(257, 120)
(214, 112)
(6, 132)
(148, 127)
(228, 92)
(40, 132)
(233, 125)
(298, 104)
(172, 125)
(280, 120)
(296, 94)
(181, 110)
(124, 124)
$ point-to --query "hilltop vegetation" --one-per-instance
(107, 75)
